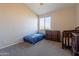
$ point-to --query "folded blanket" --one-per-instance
(34, 38)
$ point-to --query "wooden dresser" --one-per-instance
(52, 35)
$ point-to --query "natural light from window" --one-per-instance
(45, 23)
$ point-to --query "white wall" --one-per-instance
(16, 21)
(63, 19)
(77, 12)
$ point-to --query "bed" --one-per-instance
(34, 38)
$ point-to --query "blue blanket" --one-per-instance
(34, 38)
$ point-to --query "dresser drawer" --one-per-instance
(53, 35)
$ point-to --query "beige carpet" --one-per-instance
(42, 48)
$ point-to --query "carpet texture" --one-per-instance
(42, 48)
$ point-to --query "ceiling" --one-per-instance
(42, 8)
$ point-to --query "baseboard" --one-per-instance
(12, 44)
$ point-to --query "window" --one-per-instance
(41, 23)
(45, 23)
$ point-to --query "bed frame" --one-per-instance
(67, 37)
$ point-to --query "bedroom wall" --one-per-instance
(77, 12)
(63, 19)
(16, 21)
